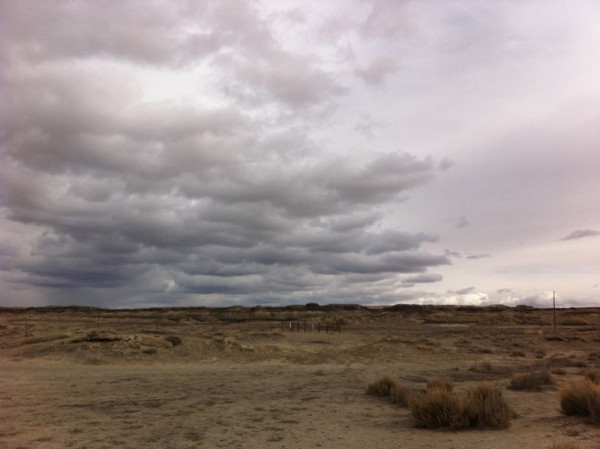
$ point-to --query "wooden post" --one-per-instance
(554, 308)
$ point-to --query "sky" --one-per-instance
(214, 153)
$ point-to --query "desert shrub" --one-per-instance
(483, 367)
(559, 371)
(483, 350)
(174, 339)
(594, 408)
(558, 361)
(92, 336)
(581, 398)
(481, 406)
(533, 381)
(399, 394)
(565, 445)
(93, 360)
(382, 387)
(436, 408)
(593, 374)
(488, 368)
(484, 406)
(443, 383)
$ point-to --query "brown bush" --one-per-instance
(174, 339)
(565, 445)
(484, 406)
(481, 406)
(436, 408)
(533, 381)
(399, 394)
(593, 374)
(382, 387)
(557, 361)
(488, 368)
(443, 383)
(581, 398)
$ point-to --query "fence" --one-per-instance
(298, 326)
(32, 322)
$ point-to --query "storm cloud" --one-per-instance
(216, 153)
(107, 189)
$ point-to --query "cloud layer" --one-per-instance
(188, 199)
(201, 152)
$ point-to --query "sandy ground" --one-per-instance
(254, 385)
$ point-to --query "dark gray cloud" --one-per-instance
(581, 233)
(223, 152)
(478, 256)
(377, 70)
(462, 222)
(113, 194)
(423, 278)
(462, 291)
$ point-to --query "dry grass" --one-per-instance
(581, 398)
(484, 406)
(593, 374)
(533, 381)
(489, 368)
(436, 408)
(565, 445)
(558, 361)
(400, 394)
(388, 387)
(442, 383)
(174, 339)
(481, 406)
(382, 387)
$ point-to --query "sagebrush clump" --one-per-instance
(436, 408)
(484, 406)
(481, 406)
(444, 383)
(581, 398)
(565, 445)
(593, 374)
(388, 387)
(174, 339)
(382, 387)
(533, 381)
(399, 394)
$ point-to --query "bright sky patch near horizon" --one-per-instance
(210, 153)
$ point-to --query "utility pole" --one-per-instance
(554, 308)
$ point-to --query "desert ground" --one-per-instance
(292, 377)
